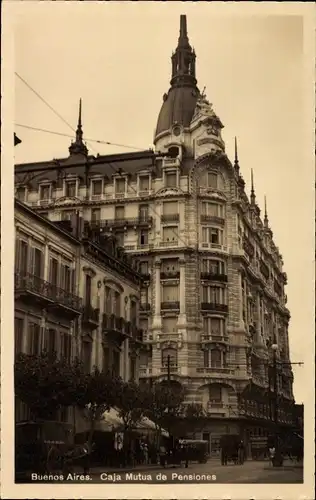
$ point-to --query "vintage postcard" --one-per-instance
(157, 306)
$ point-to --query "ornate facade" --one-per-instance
(74, 295)
(213, 298)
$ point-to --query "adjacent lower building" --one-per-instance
(74, 295)
(213, 300)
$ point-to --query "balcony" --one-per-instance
(144, 307)
(213, 307)
(145, 276)
(215, 370)
(214, 405)
(170, 305)
(211, 276)
(166, 275)
(209, 338)
(34, 290)
(145, 371)
(125, 222)
(137, 334)
(169, 243)
(170, 369)
(116, 327)
(90, 317)
(170, 218)
(213, 218)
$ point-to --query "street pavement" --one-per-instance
(249, 472)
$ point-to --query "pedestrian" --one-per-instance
(272, 454)
(162, 455)
(145, 451)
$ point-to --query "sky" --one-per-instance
(117, 59)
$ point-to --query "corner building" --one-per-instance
(213, 298)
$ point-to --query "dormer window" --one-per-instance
(70, 189)
(45, 192)
(212, 180)
(144, 183)
(120, 186)
(96, 187)
(171, 179)
(20, 193)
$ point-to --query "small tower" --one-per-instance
(252, 193)
(266, 220)
(183, 59)
(78, 147)
(236, 161)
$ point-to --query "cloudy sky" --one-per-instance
(117, 59)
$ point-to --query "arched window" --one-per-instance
(216, 358)
(172, 353)
(215, 393)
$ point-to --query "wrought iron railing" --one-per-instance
(212, 306)
(214, 276)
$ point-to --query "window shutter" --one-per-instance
(23, 261)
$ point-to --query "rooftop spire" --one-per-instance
(266, 220)
(78, 146)
(236, 162)
(183, 59)
(252, 194)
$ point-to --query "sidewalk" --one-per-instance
(116, 470)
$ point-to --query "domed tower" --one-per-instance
(180, 102)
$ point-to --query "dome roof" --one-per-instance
(178, 107)
(179, 104)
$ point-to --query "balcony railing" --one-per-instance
(170, 305)
(31, 286)
(214, 369)
(90, 316)
(165, 275)
(170, 369)
(214, 338)
(170, 218)
(119, 326)
(122, 222)
(214, 404)
(212, 306)
(211, 276)
(213, 218)
(169, 243)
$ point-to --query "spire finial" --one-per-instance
(236, 163)
(183, 59)
(78, 147)
(266, 220)
(252, 195)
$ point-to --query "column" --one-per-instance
(182, 315)
(157, 315)
(259, 338)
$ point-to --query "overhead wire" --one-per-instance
(88, 141)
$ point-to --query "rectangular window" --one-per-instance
(143, 237)
(133, 368)
(144, 296)
(215, 393)
(45, 192)
(133, 312)
(108, 300)
(120, 186)
(119, 213)
(205, 294)
(53, 272)
(212, 180)
(38, 263)
(86, 356)
(70, 190)
(170, 293)
(66, 278)
(67, 214)
(211, 209)
(206, 359)
(216, 358)
(143, 267)
(169, 357)
(120, 236)
(212, 235)
(106, 359)
(95, 215)
(66, 347)
(51, 340)
(170, 265)
(96, 188)
(206, 326)
(143, 325)
(18, 335)
(88, 286)
(215, 326)
(116, 363)
(169, 325)
(117, 298)
(170, 234)
(64, 414)
(34, 339)
(170, 208)
(143, 213)
(20, 193)
(170, 179)
(144, 183)
(23, 257)
(215, 295)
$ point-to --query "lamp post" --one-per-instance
(168, 369)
